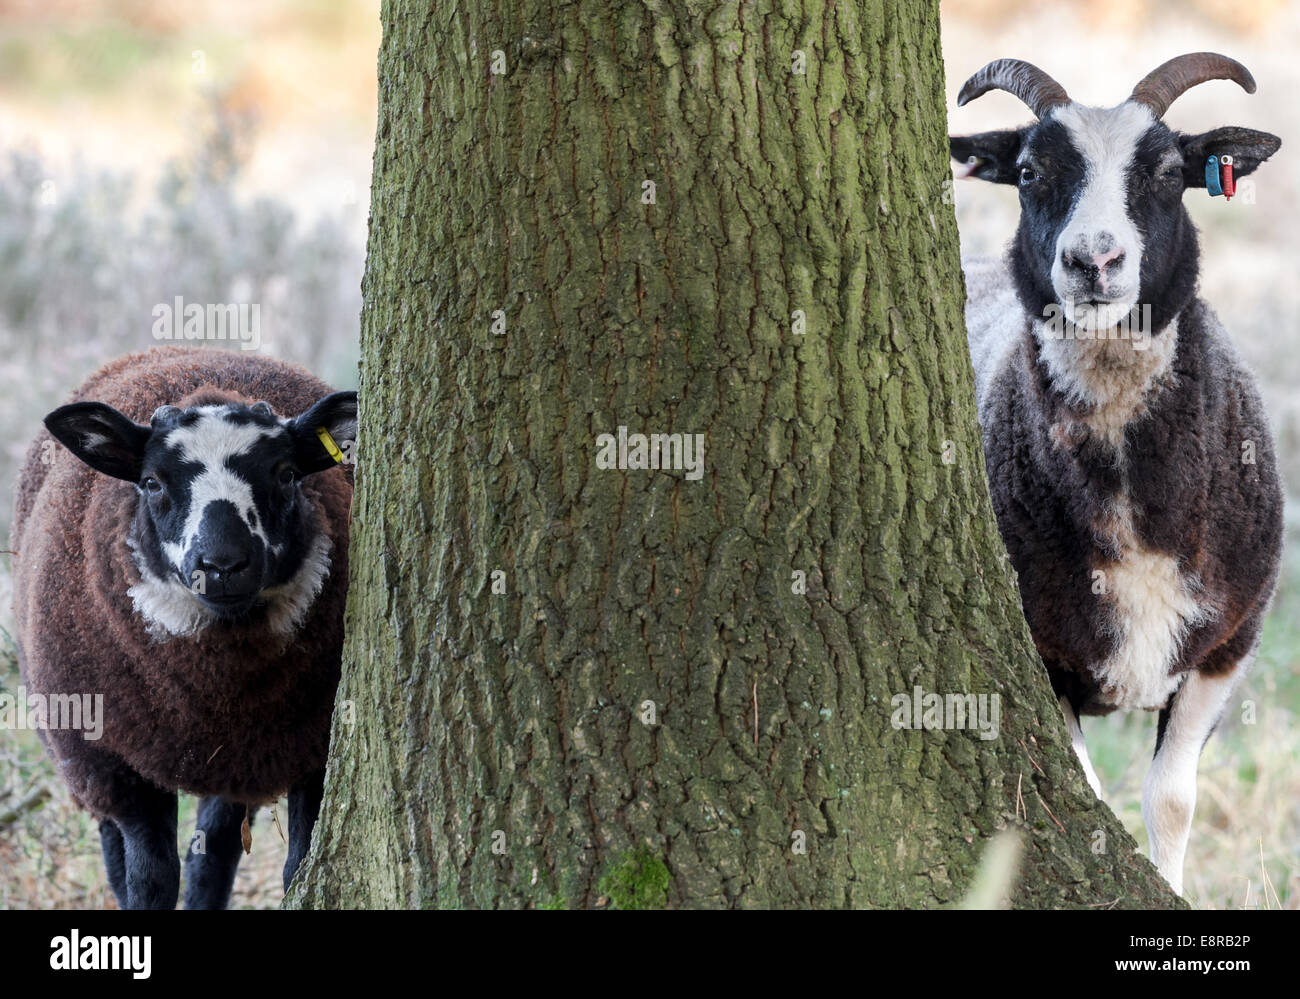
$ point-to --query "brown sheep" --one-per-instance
(192, 569)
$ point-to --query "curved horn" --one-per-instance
(1026, 81)
(162, 414)
(1170, 80)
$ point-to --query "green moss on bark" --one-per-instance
(639, 880)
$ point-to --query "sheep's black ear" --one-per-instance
(101, 437)
(1247, 147)
(336, 414)
(989, 155)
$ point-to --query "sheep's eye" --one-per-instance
(1173, 173)
(1027, 175)
(152, 485)
(286, 477)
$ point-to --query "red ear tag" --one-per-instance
(1229, 186)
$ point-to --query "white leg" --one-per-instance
(1169, 790)
(1080, 750)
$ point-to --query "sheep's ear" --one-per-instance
(101, 437)
(989, 155)
(335, 414)
(1247, 147)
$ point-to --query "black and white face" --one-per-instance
(1102, 224)
(1093, 185)
(220, 501)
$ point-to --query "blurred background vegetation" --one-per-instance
(220, 150)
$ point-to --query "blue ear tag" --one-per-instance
(1212, 177)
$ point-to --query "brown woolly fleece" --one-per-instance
(226, 712)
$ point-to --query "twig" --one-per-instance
(1268, 883)
(1049, 811)
(756, 716)
(275, 819)
(1020, 798)
(1031, 758)
(34, 798)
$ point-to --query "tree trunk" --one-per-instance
(569, 685)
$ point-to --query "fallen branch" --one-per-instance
(33, 799)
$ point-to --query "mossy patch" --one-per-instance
(638, 881)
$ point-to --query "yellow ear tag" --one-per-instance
(330, 445)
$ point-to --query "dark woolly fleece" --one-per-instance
(223, 713)
(1193, 499)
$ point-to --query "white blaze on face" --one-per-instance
(210, 441)
(1099, 226)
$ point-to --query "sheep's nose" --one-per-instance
(1102, 260)
(1096, 267)
(1096, 262)
(222, 564)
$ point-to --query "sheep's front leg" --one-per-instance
(214, 853)
(1169, 790)
(110, 841)
(304, 807)
(1080, 747)
(140, 850)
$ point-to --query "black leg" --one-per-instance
(304, 807)
(213, 853)
(1070, 685)
(110, 839)
(147, 824)
(1162, 723)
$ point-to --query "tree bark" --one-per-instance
(654, 711)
